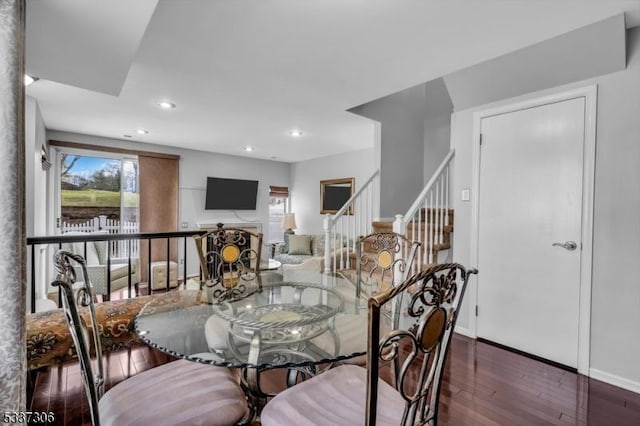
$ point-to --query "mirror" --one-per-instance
(334, 193)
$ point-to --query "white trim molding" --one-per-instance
(532, 100)
(464, 331)
(614, 380)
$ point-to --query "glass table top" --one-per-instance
(289, 323)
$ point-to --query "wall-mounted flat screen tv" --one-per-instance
(231, 194)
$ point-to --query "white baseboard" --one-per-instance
(464, 331)
(612, 379)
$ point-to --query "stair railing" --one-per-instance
(353, 220)
(429, 220)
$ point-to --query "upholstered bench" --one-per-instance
(49, 341)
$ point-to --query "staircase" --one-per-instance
(425, 232)
(428, 221)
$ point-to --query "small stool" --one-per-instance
(159, 275)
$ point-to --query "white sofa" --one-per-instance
(311, 259)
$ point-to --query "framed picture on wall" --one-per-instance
(334, 193)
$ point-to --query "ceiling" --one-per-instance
(247, 72)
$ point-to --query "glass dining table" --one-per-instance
(298, 324)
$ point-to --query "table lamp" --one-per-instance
(289, 223)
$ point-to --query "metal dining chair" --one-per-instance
(230, 261)
(413, 361)
(180, 392)
(383, 260)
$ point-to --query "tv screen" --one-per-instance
(231, 194)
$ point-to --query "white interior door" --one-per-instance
(530, 198)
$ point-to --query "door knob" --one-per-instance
(568, 245)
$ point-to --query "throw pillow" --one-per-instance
(300, 244)
(285, 246)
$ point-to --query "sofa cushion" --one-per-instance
(300, 244)
(288, 259)
(120, 270)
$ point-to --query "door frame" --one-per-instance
(588, 183)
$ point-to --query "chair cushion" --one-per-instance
(122, 270)
(337, 397)
(178, 393)
(92, 257)
(300, 244)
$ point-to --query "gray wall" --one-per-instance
(437, 126)
(615, 315)
(408, 149)
(593, 50)
(306, 177)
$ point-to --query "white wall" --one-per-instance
(305, 183)
(36, 178)
(615, 315)
(35, 188)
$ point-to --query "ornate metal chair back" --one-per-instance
(77, 305)
(434, 305)
(229, 259)
(385, 258)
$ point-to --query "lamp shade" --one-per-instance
(289, 221)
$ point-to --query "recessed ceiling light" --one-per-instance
(166, 105)
(127, 136)
(142, 131)
(296, 133)
(29, 80)
(248, 148)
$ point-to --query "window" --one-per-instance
(278, 200)
(98, 192)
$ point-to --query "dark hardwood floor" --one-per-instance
(483, 385)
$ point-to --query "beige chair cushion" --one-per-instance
(336, 397)
(92, 257)
(178, 393)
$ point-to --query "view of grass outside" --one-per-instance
(97, 198)
(93, 186)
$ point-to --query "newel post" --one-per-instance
(326, 225)
(398, 228)
(398, 225)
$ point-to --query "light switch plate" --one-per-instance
(466, 194)
(184, 225)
